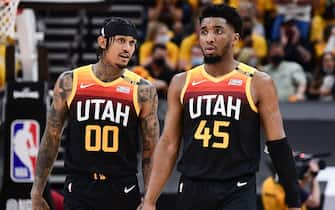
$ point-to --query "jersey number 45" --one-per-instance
(204, 134)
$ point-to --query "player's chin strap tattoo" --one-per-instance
(284, 164)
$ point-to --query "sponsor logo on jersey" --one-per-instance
(194, 83)
(82, 85)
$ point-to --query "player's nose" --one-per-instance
(210, 38)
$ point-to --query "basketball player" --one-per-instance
(103, 105)
(220, 106)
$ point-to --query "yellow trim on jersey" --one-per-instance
(249, 96)
(251, 71)
(135, 100)
(215, 79)
(183, 90)
(247, 68)
(74, 87)
(135, 78)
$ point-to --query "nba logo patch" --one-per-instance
(25, 135)
(123, 89)
(236, 82)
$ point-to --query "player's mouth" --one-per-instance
(210, 50)
(124, 56)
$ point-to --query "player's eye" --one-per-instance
(132, 43)
(121, 40)
(218, 31)
(203, 32)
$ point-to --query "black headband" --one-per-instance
(114, 28)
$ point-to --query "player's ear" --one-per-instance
(236, 39)
(102, 42)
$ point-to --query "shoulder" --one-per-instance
(262, 85)
(65, 78)
(290, 64)
(258, 38)
(146, 45)
(189, 40)
(262, 78)
(246, 69)
(265, 68)
(178, 82)
(131, 77)
(179, 78)
(295, 65)
(171, 46)
(146, 91)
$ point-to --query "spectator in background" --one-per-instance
(296, 49)
(273, 194)
(247, 10)
(250, 40)
(173, 13)
(288, 76)
(299, 11)
(159, 70)
(324, 78)
(197, 4)
(141, 71)
(323, 15)
(328, 42)
(247, 55)
(186, 49)
(197, 57)
(158, 33)
(264, 12)
(162, 75)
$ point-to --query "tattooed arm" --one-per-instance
(50, 142)
(148, 100)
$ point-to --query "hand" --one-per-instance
(38, 203)
(296, 35)
(313, 166)
(300, 96)
(283, 37)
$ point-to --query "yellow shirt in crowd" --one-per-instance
(273, 195)
(258, 45)
(186, 48)
(146, 50)
(2, 65)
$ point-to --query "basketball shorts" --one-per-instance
(234, 194)
(85, 193)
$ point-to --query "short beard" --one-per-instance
(121, 66)
(212, 59)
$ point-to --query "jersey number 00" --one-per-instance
(97, 139)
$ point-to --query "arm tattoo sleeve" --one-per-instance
(149, 126)
(51, 138)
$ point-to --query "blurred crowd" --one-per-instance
(292, 40)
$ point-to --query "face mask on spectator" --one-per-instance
(328, 70)
(197, 60)
(159, 61)
(163, 39)
(276, 59)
